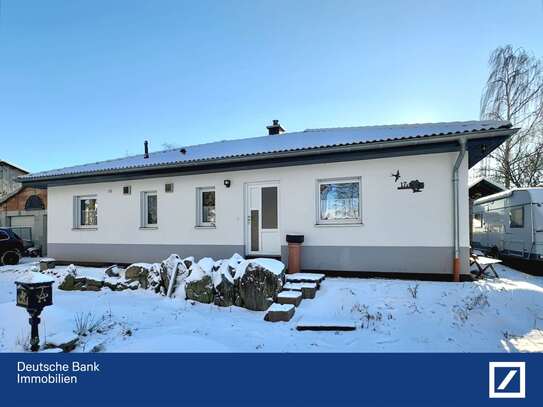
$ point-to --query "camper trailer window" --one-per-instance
(478, 220)
(516, 217)
(339, 201)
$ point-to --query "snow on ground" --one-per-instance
(501, 315)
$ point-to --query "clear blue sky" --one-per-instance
(83, 81)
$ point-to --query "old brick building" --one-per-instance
(25, 211)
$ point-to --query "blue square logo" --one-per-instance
(507, 380)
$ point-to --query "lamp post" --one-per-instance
(34, 292)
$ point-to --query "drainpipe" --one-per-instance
(456, 211)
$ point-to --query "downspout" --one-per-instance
(456, 211)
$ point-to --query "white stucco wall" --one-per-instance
(390, 217)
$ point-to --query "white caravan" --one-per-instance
(510, 223)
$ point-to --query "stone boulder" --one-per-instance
(258, 282)
(66, 341)
(68, 284)
(223, 282)
(199, 285)
(113, 271)
(147, 275)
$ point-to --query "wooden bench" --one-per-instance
(483, 264)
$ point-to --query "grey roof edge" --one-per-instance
(504, 131)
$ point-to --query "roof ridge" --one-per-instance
(385, 126)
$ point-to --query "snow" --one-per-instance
(272, 265)
(196, 273)
(289, 294)
(61, 338)
(493, 315)
(206, 264)
(31, 277)
(280, 307)
(302, 140)
(275, 266)
(299, 286)
(305, 276)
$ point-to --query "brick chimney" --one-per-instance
(275, 128)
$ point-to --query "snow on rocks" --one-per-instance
(67, 341)
(280, 312)
(258, 282)
(308, 290)
(223, 282)
(289, 297)
(199, 284)
(252, 284)
(47, 263)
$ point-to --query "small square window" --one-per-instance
(338, 201)
(206, 207)
(149, 209)
(127, 190)
(516, 217)
(86, 212)
(168, 187)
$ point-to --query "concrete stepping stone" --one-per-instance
(280, 312)
(305, 278)
(326, 326)
(289, 297)
(308, 289)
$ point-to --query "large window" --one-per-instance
(206, 207)
(86, 212)
(338, 201)
(149, 209)
(516, 217)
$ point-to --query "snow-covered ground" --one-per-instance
(502, 315)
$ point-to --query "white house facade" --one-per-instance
(369, 199)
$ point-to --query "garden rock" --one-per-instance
(258, 282)
(65, 341)
(225, 288)
(113, 271)
(199, 285)
(46, 264)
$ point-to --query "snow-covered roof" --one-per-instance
(310, 139)
(475, 181)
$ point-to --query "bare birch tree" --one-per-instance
(514, 92)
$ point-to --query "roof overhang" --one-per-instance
(479, 144)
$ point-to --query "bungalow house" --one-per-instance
(367, 199)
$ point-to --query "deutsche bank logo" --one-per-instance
(507, 380)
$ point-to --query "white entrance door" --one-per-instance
(262, 211)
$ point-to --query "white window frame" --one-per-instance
(199, 208)
(342, 180)
(145, 209)
(77, 212)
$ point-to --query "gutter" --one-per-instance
(456, 210)
(377, 145)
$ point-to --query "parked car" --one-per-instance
(510, 224)
(11, 247)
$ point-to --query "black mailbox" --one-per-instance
(34, 296)
(34, 292)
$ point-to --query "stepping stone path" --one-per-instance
(280, 312)
(326, 326)
(289, 297)
(308, 289)
(305, 278)
(298, 286)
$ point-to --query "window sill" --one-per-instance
(357, 224)
(148, 227)
(84, 228)
(204, 227)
